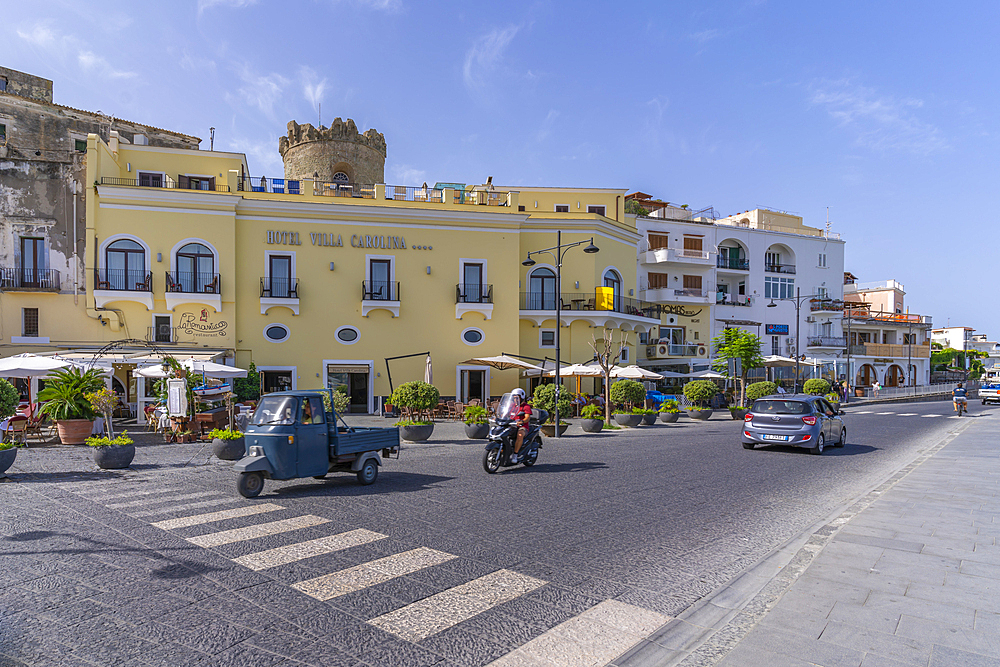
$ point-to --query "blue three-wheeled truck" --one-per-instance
(291, 436)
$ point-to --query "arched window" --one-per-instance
(125, 265)
(542, 290)
(341, 177)
(613, 280)
(196, 269)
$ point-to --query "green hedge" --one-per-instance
(628, 393)
(760, 389)
(816, 387)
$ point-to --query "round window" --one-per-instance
(348, 334)
(276, 333)
(472, 336)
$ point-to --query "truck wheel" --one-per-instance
(250, 484)
(368, 473)
(491, 460)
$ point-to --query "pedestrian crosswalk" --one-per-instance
(595, 636)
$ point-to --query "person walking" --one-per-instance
(875, 388)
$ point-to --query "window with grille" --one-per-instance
(599, 210)
(29, 322)
(822, 260)
(80, 145)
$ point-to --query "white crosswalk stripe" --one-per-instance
(198, 519)
(930, 415)
(445, 609)
(908, 414)
(258, 530)
(861, 412)
(884, 413)
(595, 637)
(369, 574)
(165, 499)
(167, 509)
(301, 550)
(133, 494)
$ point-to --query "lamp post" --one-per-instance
(797, 300)
(850, 375)
(557, 252)
(909, 352)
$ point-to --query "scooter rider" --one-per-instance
(958, 395)
(523, 415)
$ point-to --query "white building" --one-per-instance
(957, 338)
(710, 274)
(990, 347)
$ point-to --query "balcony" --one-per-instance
(855, 312)
(473, 298)
(193, 287)
(587, 301)
(886, 350)
(379, 295)
(275, 291)
(673, 350)
(662, 293)
(834, 342)
(162, 334)
(353, 190)
(732, 264)
(112, 285)
(29, 280)
(733, 299)
(826, 305)
(686, 256)
(779, 268)
(161, 182)
(278, 186)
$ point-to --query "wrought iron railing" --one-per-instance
(355, 190)
(161, 334)
(380, 290)
(123, 280)
(165, 183)
(29, 279)
(473, 293)
(733, 299)
(577, 301)
(826, 341)
(278, 186)
(779, 268)
(412, 193)
(279, 288)
(731, 263)
(194, 283)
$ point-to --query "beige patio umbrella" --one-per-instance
(429, 371)
(634, 372)
(501, 363)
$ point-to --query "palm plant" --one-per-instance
(65, 393)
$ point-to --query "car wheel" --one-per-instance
(250, 484)
(820, 445)
(747, 445)
(843, 437)
(368, 473)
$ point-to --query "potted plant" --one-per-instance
(592, 418)
(66, 402)
(669, 412)
(760, 390)
(415, 400)
(648, 416)
(738, 411)
(626, 394)
(816, 387)
(112, 453)
(477, 425)
(544, 398)
(9, 399)
(227, 444)
(698, 393)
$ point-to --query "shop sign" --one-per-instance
(329, 240)
(776, 329)
(680, 310)
(883, 361)
(201, 325)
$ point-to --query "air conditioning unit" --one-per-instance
(810, 319)
(790, 340)
(140, 140)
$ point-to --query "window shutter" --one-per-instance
(657, 241)
(692, 243)
(211, 184)
(183, 182)
(692, 282)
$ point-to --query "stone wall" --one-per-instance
(309, 152)
(27, 85)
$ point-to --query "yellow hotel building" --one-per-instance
(318, 278)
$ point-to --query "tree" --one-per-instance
(608, 352)
(628, 393)
(737, 344)
(248, 388)
(633, 207)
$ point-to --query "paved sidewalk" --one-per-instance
(913, 579)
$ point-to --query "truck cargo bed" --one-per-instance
(362, 440)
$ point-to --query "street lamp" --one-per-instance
(797, 299)
(557, 252)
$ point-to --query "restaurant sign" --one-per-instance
(200, 324)
(776, 329)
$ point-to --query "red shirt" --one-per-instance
(523, 412)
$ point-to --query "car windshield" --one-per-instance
(509, 403)
(778, 407)
(275, 410)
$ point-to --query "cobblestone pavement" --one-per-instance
(574, 561)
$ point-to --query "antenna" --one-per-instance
(320, 115)
(211, 145)
(828, 222)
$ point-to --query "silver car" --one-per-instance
(798, 420)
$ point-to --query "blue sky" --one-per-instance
(885, 112)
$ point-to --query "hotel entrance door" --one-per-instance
(354, 380)
(473, 386)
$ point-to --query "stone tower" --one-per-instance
(335, 153)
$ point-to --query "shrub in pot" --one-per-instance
(698, 393)
(544, 398)
(834, 399)
(628, 394)
(760, 390)
(669, 412)
(627, 418)
(228, 445)
(112, 453)
(415, 400)
(648, 416)
(66, 402)
(738, 411)
(816, 387)
(8, 452)
(592, 419)
(695, 412)
(477, 425)
(341, 400)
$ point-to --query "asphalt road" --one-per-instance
(656, 518)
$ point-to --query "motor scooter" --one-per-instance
(503, 436)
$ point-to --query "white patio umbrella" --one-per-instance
(707, 375)
(29, 365)
(151, 372)
(634, 372)
(429, 371)
(501, 363)
(774, 360)
(574, 370)
(213, 370)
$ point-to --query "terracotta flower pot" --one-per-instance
(74, 431)
(669, 417)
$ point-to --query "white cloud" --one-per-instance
(262, 155)
(546, 129)
(485, 55)
(231, 4)
(262, 91)
(879, 122)
(312, 89)
(707, 35)
(93, 63)
(406, 175)
(40, 35)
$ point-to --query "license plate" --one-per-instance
(775, 437)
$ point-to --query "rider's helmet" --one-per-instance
(518, 392)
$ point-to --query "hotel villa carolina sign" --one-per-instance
(337, 241)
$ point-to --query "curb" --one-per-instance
(708, 630)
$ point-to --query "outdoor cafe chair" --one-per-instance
(17, 430)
